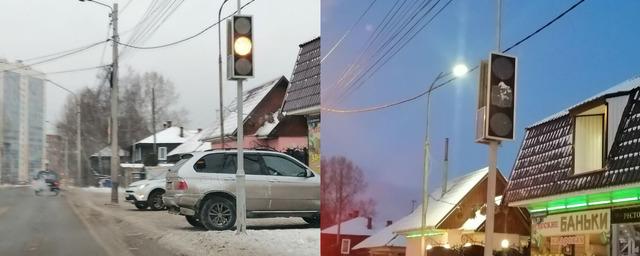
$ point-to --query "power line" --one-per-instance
(58, 57)
(379, 107)
(63, 52)
(545, 25)
(76, 70)
(181, 40)
(385, 57)
(348, 31)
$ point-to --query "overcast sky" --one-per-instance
(34, 28)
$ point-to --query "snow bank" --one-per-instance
(256, 242)
(99, 190)
(268, 236)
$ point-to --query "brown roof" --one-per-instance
(544, 164)
(304, 89)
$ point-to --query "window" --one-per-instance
(137, 154)
(162, 153)
(211, 163)
(251, 164)
(280, 166)
(589, 140)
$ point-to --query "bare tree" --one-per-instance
(343, 185)
(134, 116)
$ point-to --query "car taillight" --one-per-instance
(182, 185)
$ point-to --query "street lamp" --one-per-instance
(80, 175)
(457, 72)
(115, 149)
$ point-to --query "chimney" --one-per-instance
(389, 222)
(181, 132)
(369, 224)
(445, 167)
(199, 130)
(168, 124)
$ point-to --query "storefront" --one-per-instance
(576, 233)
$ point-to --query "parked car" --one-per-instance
(148, 193)
(203, 188)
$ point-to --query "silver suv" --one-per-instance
(202, 187)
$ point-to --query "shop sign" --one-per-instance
(575, 223)
(565, 240)
(625, 215)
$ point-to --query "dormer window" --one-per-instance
(589, 139)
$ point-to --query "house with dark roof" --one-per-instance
(263, 127)
(578, 174)
(166, 140)
(303, 96)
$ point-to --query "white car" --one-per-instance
(148, 193)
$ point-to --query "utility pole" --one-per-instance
(115, 149)
(493, 152)
(241, 209)
(79, 141)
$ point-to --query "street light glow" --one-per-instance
(242, 46)
(460, 70)
(504, 243)
(429, 247)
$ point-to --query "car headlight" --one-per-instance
(142, 186)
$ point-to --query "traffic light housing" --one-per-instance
(240, 47)
(500, 97)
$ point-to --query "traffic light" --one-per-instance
(240, 47)
(501, 95)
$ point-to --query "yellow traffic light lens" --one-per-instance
(242, 46)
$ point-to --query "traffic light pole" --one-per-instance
(241, 204)
(493, 153)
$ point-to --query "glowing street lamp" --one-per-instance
(458, 71)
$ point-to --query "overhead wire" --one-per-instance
(412, 98)
(184, 39)
(348, 31)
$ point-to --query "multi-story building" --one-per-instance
(22, 106)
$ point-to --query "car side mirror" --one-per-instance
(200, 164)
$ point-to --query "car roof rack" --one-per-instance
(254, 148)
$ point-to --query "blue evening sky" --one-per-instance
(590, 49)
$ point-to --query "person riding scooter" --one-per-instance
(50, 178)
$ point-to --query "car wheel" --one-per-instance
(218, 213)
(155, 201)
(313, 220)
(195, 222)
(141, 205)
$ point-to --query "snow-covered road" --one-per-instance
(275, 236)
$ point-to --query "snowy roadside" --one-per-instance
(275, 236)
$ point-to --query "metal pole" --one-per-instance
(66, 156)
(445, 168)
(241, 212)
(115, 156)
(493, 152)
(491, 195)
(153, 119)
(425, 181)
(79, 141)
(220, 77)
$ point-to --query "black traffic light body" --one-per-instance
(501, 97)
(240, 47)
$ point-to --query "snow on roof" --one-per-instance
(438, 207)
(472, 224)
(625, 86)
(251, 99)
(458, 188)
(194, 143)
(131, 165)
(106, 152)
(169, 135)
(356, 226)
(268, 127)
(386, 236)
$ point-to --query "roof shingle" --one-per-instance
(304, 89)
